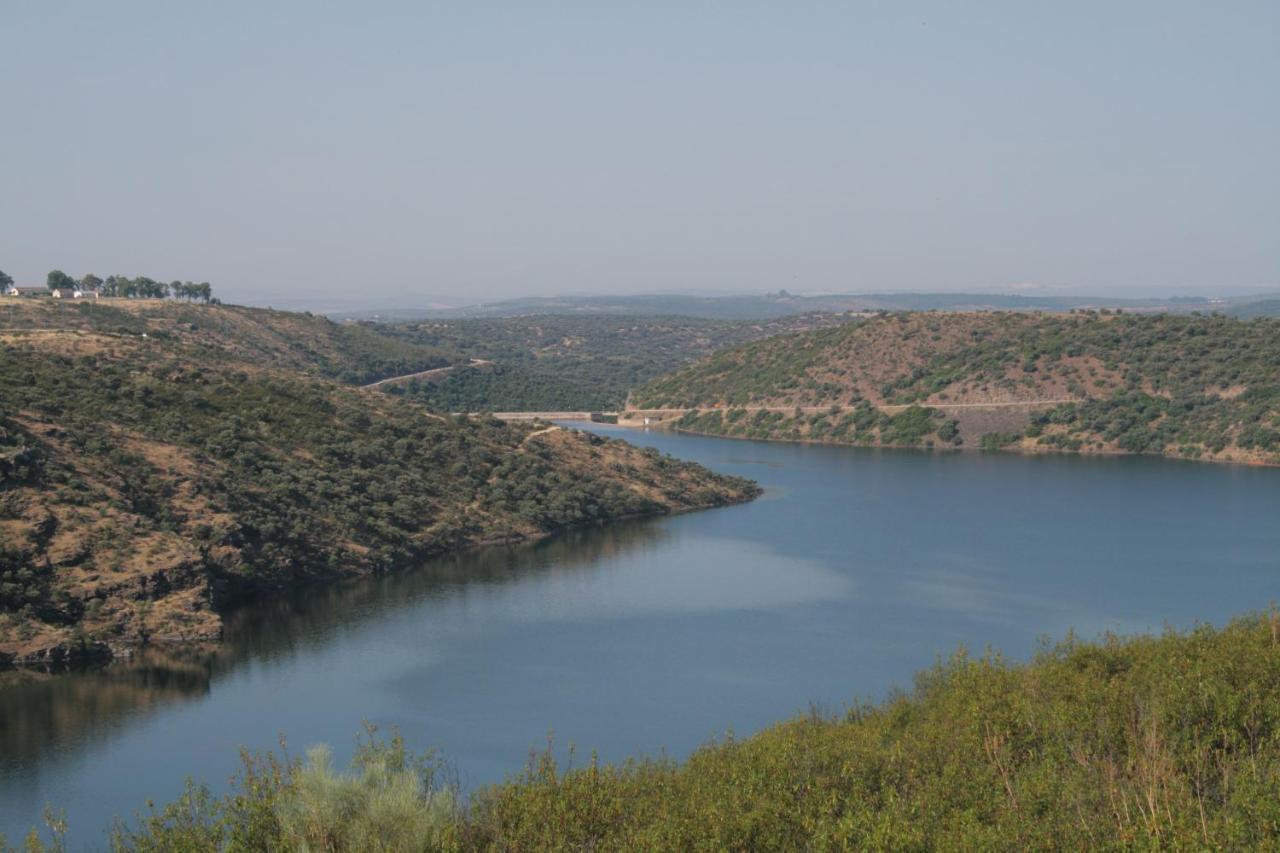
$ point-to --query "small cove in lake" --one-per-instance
(854, 570)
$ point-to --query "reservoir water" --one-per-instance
(854, 570)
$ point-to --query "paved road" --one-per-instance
(540, 416)
(424, 374)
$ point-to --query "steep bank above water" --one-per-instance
(150, 481)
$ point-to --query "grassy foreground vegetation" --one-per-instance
(1169, 742)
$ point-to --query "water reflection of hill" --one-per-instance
(40, 709)
(321, 614)
(69, 711)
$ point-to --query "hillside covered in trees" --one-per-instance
(1193, 386)
(159, 462)
(563, 362)
(1138, 743)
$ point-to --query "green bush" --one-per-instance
(389, 800)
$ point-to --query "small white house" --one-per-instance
(12, 290)
(56, 293)
(81, 293)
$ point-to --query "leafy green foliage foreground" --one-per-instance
(1143, 743)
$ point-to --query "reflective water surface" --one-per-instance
(854, 570)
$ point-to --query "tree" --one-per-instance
(91, 282)
(115, 285)
(58, 280)
(5, 279)
(191, 290)
(149, 288)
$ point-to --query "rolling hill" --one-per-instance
(356, 353)
(564, 362)
(1192, 386)
(1269, 307)
(159, 463)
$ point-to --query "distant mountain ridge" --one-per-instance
(782, 303)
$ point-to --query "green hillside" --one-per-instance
(569, 362)
(156, 466)
(1195, 386)
(1258, 308)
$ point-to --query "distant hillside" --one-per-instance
(158, 465)
(1202, 387)
(1259, 308)
(783, 304)
(570, 361)
(701, 307)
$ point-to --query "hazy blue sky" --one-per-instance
(414, 152)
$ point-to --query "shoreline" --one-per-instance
(61, 658)
(1021, 451)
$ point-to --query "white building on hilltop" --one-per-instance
(73, 293)
(14, 290)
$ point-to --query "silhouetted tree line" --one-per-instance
(133, 288)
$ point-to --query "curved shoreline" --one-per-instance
(1020, 450)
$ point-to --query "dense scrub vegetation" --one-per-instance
(863, 425)
(1151, 743)
(149, 482)
(570, 362)
(1203, 387)
(519, 388)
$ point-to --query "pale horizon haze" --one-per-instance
(452, 153)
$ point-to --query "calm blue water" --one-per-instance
(856, 569)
